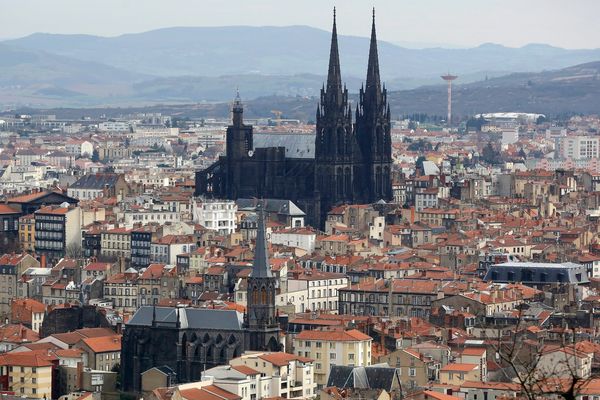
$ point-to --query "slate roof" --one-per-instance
(297, 145)
(282, 207)
(96, 181)
(373, 377)
(189, 318)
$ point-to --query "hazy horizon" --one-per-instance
(427, 23)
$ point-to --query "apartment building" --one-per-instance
(165, 249)
(103, 352)
(394, 297)
(314, 290)
(27, 374)
(157, 282)
(27, 232)
(121, 289)
(333, 347)
(12, 267)
(218, 215)
(580, 147)
(57, 228)
(28, 312)
(287, 376)
(116, 243)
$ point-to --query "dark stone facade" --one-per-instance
(67, 319)
(352, 161)
(190, 340)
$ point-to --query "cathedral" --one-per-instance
(352, 160)
(191, 340)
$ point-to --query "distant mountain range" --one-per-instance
(570, 90)
(179, 65)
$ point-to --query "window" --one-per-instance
(412, 372)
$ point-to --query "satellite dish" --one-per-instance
(250, 153)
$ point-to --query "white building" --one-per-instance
(510, 136)
(113, 126)
(376, 228)
(314, 290)
(78, 148)
(146, 216)
(216, 215)
(426, 198)
(580, 147)
(302, 238)
(288, 375)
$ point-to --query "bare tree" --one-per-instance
(538, 374)
(74, 250)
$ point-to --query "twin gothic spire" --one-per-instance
(334, 90)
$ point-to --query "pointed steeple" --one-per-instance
(373, 80)
(334, 75)
(261, 267)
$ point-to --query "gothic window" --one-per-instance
(321, 179)
(348, 146)
(386, 177)
(340, 182)
(378, 181)
(255, 295)
(184, 346)
(263, 295)
(348, 181)
(379, 139)
(340, 138)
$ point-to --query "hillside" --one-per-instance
(570, 90)
(37, 75)
(290, 50)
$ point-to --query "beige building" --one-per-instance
(103, 352)
(415, 369)
(27, 232)
(564, 362)
(122, 291)
(333, 347)
(116, 243)
(157, 282)
(12, 267)
(458, 373)
(29, 374)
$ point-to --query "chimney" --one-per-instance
(79, 378)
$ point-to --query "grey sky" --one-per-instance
(563, 23)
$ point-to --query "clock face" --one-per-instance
(250, 153)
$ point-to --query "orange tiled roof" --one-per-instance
(104, 344)
(458, 367)
(26, 359)
(337, 335)
(6, 209)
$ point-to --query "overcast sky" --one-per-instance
(562, 23)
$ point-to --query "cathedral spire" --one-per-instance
(261, 267)
(373, 80)
(334, 75)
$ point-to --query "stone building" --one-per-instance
(190, 340)
(350, 162)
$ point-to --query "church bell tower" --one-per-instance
(262, 327)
